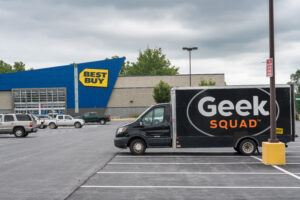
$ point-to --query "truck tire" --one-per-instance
(19, 132)
(102, 122)
(137, 147)
(52, 125)
(236, 149)
(247, 147)
(77, 125)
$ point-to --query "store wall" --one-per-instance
(5, 102)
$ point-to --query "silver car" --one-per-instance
(18, 124)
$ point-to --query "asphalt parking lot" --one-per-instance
(69, 163)
(194, 174)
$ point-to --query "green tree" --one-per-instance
(151, 62)
(18, 67)
(124, 69)
(162, 92)
(4, 67)
(295, 79)
(207, 83)
(7, 68)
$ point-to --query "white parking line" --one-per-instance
(187, 187)
(280, 169)
(196, 163)
(174, 156)
(197, 173)
(176, 163)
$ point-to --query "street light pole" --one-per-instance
(190, 49)
(273, 138)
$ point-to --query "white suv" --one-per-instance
(18, 124)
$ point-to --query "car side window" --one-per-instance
(0, 118)
(147, 119)
(60, 117)
(158, 116)
(8, 118)
(68, 117)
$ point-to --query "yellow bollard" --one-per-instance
(273, 153)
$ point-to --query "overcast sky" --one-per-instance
(232, 35)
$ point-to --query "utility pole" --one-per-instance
(190, 49)
(273, 138)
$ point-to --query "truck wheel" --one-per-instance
(137, 147)
(52, 125)
(247, 147)
(19, 132)
(77, 125)
(102, 122)
(236, 149)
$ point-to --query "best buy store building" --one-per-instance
(84, 87)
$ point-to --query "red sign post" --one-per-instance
(269, 68)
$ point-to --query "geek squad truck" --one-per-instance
(230, 116)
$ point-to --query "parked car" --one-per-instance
(45, 121)
(37, 121)
(18, 124)
(94, 117)
(66, 120)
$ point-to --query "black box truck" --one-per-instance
(230, 116)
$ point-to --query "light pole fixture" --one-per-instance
(190, 49)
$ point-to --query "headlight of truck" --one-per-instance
(121, 131)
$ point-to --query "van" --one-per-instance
(204, 117)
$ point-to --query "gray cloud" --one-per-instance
(230, 34)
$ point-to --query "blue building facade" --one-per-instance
(90, 95)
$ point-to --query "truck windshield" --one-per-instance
(143, 113)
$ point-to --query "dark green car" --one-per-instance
(94, 117)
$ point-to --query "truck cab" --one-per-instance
(151, 129)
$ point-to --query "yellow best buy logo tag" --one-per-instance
(94, 77)
(279, 130)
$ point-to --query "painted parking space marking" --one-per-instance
(196, 173)
(187, 187)
(280, 169)
(196, 163)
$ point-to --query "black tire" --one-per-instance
(102, 122)
(137, 147)
(236, 149)
(77, 125)
(247, 147)
(19, 132)
(52, 125)
(26, 134)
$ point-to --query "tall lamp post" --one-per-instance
(190, 49)
(273, 138)
(273, 151)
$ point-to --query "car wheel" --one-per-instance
(102, 122)
(247, 147)
(137, 147)
(19, 132)
(52, 125)
(25, 135)
(77, 125)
